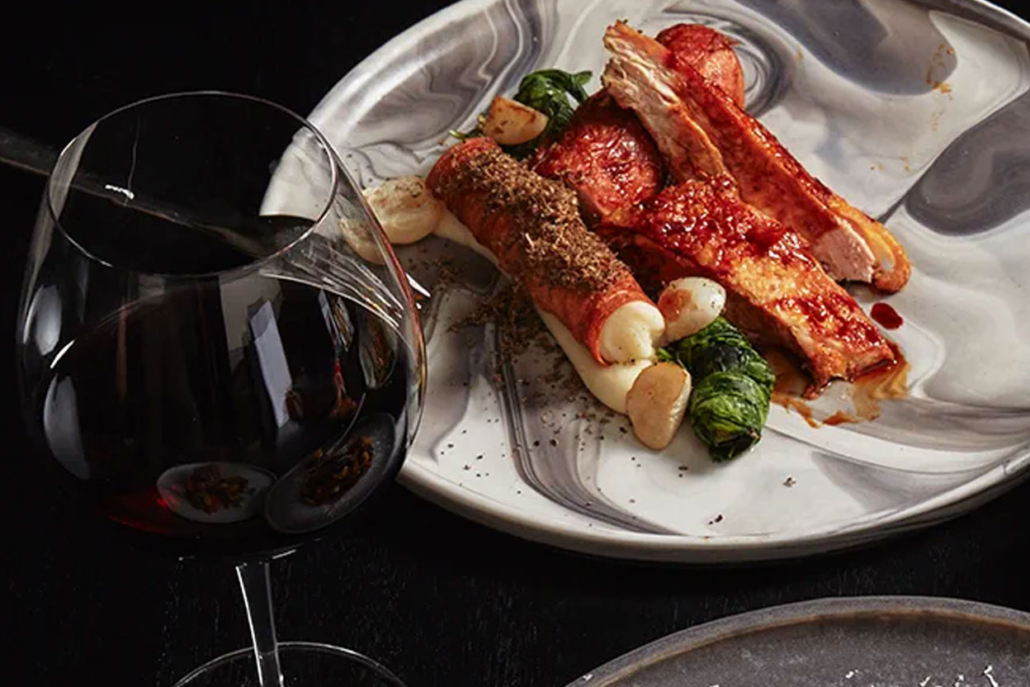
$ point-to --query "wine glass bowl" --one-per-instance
(217, 347)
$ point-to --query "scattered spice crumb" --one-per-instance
(789, 482)
(632, 500)
(718, 519)
(683, 468)
(467, 467)
(480, 456)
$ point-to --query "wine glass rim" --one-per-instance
(334, 167)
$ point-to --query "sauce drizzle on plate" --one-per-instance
(887, 316)
(865, 393)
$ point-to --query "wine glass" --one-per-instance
(218, 349)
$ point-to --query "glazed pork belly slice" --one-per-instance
(703, 134)
(606, 156)
(777, 291)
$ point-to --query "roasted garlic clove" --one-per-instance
(657, 403)
(510, 122)
(689, 305)
(405, 208)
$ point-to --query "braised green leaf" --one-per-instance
(732, 387)
(727, 412)
(721, 347)
(548, 91)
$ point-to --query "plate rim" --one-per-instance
(673, 548)
(699, 549)
(762, 619)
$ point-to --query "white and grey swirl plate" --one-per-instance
(916, 112)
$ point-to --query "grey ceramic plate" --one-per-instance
(860, 642)
(916, 112)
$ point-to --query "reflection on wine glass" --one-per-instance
(205, 358)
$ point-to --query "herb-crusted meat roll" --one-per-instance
(532, 225)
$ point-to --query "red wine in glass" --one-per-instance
(238, 450)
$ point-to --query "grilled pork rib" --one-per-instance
(705, 135)
(606, 156)
(777, 292)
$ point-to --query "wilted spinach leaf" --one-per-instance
(732, 390)
(547, 91)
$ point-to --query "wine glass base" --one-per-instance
(303, 664)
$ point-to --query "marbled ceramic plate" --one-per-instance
(917, 112)
(865, 642)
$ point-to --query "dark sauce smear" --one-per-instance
(887, 316)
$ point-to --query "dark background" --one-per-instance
(440, 600)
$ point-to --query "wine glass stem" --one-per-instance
(257, 598)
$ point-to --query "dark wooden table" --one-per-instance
(440, 600)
